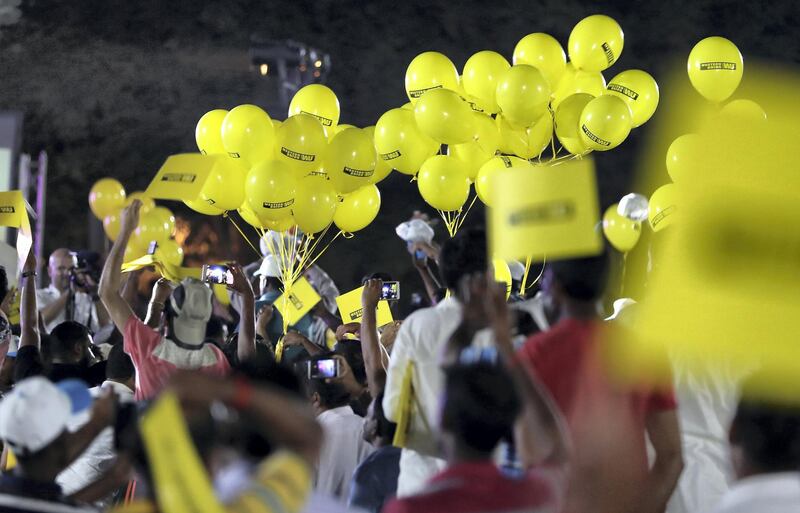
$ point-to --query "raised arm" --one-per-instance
(28, 314)
(158, 299)
(246, 347)
(370, 345)
(111, 279)
(664, 432)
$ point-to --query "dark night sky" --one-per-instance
(111, 87)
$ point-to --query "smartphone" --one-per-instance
(390, 290)
(216, 273)
(151, 249)
(323, 369)
(420, 255)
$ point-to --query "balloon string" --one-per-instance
(245, 237)
(323, 250)
(523, 285)
(463, 217)
(624, 271)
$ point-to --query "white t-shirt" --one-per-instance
(343, 449)
(84, 312)
(766, 493)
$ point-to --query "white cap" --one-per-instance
(415, 230)
(269, 267)
(38, 411)
(619, 306)
(517, 270)
(191, 302)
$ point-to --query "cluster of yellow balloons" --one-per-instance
(309, 170)
(622, 222)
(107, 198)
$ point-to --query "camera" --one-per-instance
(86, 265)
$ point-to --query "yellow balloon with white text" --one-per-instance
(715, 68)
(543, 52)
(350, 160)
(595, 43)
(248, 134)
(490, 170)
(443, 183)
(382, 167)
(270, 190)
(605, 122)
(429, 71)
(318, 101)
(480, 76)
(400, 143)
(663, 207)
(567, 122)
(301, 144)
(443, 116)
(523, 94)
(358, 209)
(639, 90)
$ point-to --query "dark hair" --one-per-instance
(214, 328)
(462, 255)
(380, 275)
(3, 283)
(767, 432)
(272, 282)
(350, 350)
(119, 366)
(583, 279)
(385, 428)
(66, 337)
(480, 405)
(331, 395)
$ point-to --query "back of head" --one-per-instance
(380, 275)
(350, 350)
(582, 279)
(480, 405)
(119, 366)
(189, 310)
(331, 394)
(68, 341)
(462, 255)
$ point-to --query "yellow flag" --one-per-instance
(351, 311)
(297, 301)
(182, 176)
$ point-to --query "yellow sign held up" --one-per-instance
(182, 176)
(351, 310)
(548, 212)
(171, 272)
(14, 214)
(297, 301)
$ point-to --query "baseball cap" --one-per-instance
(191, 303)
(38, 411)
(269, 267)
(517, 270)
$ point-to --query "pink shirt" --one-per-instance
(156, 358)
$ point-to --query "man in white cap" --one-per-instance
(183, 345)
(38, 422)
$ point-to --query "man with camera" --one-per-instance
(72, 294)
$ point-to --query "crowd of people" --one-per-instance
(479, 401)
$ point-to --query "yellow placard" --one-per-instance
(14, 213)
(546, 212)
(182, 176)
(171, 272)
(351, 310)
(297, 301)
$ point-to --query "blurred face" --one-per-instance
(58, 269)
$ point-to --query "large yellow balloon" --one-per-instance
(152, 227)
(683, 156)
(165, 217)
(480, 76)
(715, 68)
(430, 70)
(302, 144)
(567, 122)
(620, 231)
(443, 116)
(224, 188)
(281, 225)
(638, 90)
(247, 133)
(523, 94)
(578, 81)
(202, 207)
(147, 202)
(319, 101)
(314, 204)
(106, 197)
(443, 182)
(357, 209)
(170, 252)
(382, 167)
(543, 52)
(271, 189)
(488, 172)
(111, 225)
(475, 153)
(350, 160)
(337, 130)
(526, 142)
(400, 143)
(595, 43)
(248, 214)
(605, 123)
(208, 132)
(663, 207)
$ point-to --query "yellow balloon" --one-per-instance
(480, 76)
(208, 132)
(595, 43)
(350, 160)
(221, 294)
(475, 153)
(247, 133)
(281, 225)
(620, 231)
(567, 122)
(488, 172)
(315, 203)
(270, 190)
(319, 101)
(400, 143)
(357, 209)
(152, 227)
(132, 252)
(683, 156)
(663, 207)
(544, 53)
(202, 207)
(526, 142)
(578, 81)
(165, 217)
(170, 252)
(638, 90)
(337, 130)
(382, 167)
(249, 216)
(502, 274)
(224, 188)
(605, 123)
(523, 94)
(430, 70)
(443, 183)
(715, 68)
(106, 197)
(111, 226)
(744, 111)
(444, 117)
(302, 144)
(147, 203)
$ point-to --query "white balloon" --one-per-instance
(634, 207)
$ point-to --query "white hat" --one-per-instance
(38, 411)
(517, 270)
(415, 230)
(269, 267)
(191, 302)
(619, 306)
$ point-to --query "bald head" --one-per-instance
(58, 267)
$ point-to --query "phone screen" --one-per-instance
(321, 369)
(217, 274)
(390, 290)
(152, 247)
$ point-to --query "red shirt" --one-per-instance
(479, 487)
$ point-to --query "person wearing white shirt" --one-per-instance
(765, 449)
(68, 298)
(420, 342)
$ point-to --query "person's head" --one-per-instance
(188, 312)
(69, 343)
(764, 436)
(59, 266)
(462, 255)
(580, 280)
(216, 331)
(326, 394)
(380, 275)
(35, 419)
(350, 350)
(378, 430)
(269, 274)
(479, 408)
(119, 367)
